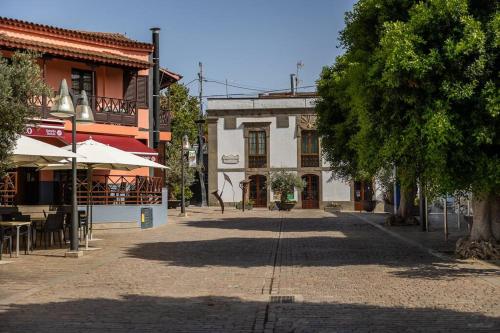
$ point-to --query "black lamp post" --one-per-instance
(185, 146)
(64, 108)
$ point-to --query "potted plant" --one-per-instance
(284, 183)
(176, 195)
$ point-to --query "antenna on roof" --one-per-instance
(300, 64)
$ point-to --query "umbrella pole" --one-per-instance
(90, 217)
(89, 184)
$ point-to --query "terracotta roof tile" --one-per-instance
(104, 37)
(72, 52)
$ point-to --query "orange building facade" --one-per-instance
(115, 72)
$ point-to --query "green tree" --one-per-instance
(20, 81)
(184, 110)
(424, 88)
(284, 183)
(349, 109)
(443, 65)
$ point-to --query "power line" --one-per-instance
(268, 91)
(239, 84)
(187, 84)
(232, 85)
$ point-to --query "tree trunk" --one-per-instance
(486, 222)
(404, 214)
(406, 202)
(483, 242)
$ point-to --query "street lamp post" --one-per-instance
(64, 108)
(185, 146)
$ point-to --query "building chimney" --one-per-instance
(292, 84)
(156, 86)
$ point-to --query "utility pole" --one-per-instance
(201, 122)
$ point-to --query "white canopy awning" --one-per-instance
(31, 152)
(101, 156)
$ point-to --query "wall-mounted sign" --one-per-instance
(192, 158)
(230, 159)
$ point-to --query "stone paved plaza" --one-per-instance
(258, 271)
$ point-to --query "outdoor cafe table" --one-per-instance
(18, 225)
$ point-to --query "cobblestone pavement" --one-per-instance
(262, 271)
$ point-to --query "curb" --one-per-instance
(411, 242)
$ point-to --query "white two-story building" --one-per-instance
(250, 137)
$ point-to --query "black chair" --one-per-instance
(53, 224)
(83, 225)
(5, 236)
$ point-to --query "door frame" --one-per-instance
(309, 176)
(263, 185)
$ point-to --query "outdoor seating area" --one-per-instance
(118, 198)
(44, 229)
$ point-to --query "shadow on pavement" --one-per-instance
(356, 249)
(134, 313)
(291, 223)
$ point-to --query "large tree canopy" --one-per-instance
(418, 87)
(20, 80)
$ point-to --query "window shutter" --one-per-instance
(129, 86)
(142, 91)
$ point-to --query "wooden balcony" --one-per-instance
(257, 161)
(106, 190)
(107, 110)
(120, 190)
(309, 160)
(8, 189)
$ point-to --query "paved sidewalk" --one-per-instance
(262, 271)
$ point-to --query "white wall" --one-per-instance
(335, 190)
(227, 195)
(283, 143)
(230, 142)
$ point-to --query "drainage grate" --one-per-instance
(282, 299)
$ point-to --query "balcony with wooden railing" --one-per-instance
(120, 190)
(257, 161)
(309, 160)
(106, 190)
(8, 189)
(107, 110)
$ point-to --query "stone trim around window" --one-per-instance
(257, 126)
(307, 123)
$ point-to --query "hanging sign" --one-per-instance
(192, 158)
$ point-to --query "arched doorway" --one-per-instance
(310, 193)
(258, 190)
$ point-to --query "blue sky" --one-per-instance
(255, 44)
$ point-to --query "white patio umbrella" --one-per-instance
(102, 156)
(31, 152)
(96, 155)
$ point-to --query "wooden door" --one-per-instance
(310, 193)
(258, 190)
(362, 191)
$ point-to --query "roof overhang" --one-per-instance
(71, 52)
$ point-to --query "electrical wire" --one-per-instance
(268, 91)
(232, 85)
(187, 84)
